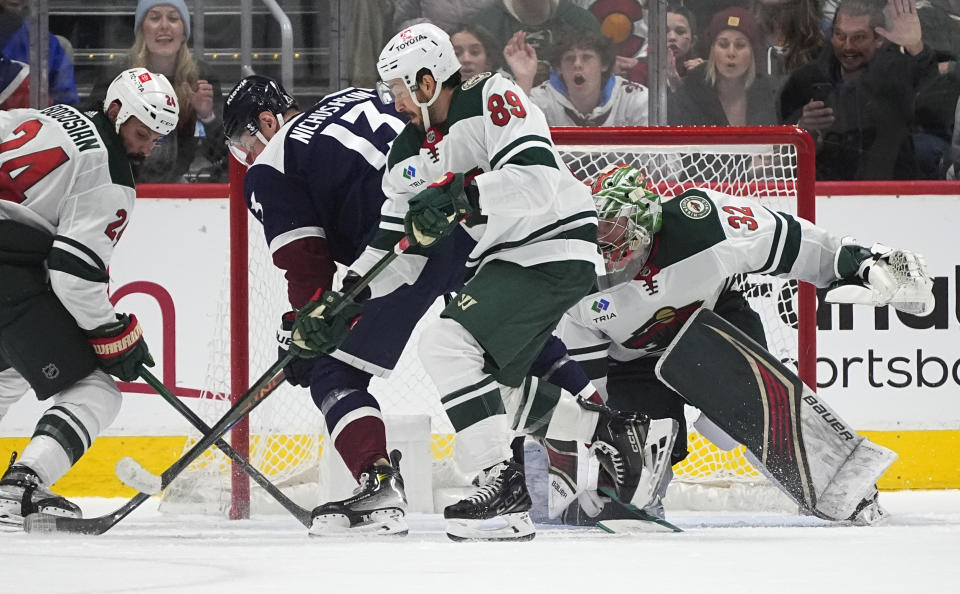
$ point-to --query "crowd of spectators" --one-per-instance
(875, 82)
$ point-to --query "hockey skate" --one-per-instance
(634, 451)
(498, 510)
(22, 493)
(377, 506)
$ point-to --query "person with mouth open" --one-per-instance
(727, 90)
(195, 152)
(582, 89)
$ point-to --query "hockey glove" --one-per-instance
(120, 347)
(436, 211)
(297, 372)
(322, 324)
(880, 276)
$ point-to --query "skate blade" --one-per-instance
(10, 523)
(386, 522)
(516, 526)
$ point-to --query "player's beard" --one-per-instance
(136, 159)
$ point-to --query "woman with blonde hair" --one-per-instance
(727, 90)
(194, 152)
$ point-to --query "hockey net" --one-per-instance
(285, 435)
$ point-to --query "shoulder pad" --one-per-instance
(475, 80)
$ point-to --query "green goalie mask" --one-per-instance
(629, 214)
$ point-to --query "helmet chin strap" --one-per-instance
(424, 107)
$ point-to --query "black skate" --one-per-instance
(377, 506)
(633, 451)
(499, 510)
(22, 493)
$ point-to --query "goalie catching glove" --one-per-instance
(120, 347)
(881, 276)
(322, 324)
(435, 211)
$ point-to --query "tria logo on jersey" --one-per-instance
(603, 307)
(409, 172)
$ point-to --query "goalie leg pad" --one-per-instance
(812, 455)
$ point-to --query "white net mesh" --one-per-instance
(286, 431)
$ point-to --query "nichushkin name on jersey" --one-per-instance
(309, 124)
(79, 128)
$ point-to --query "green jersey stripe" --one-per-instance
(535, 155)
(774, 249)
(506, 150)
(74, 265)
(466, 390)
(476, 409)
(791, 247)
(586, 232)
(81, 248)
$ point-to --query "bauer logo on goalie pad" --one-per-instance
(746, 392)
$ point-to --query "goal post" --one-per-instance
(284, 437)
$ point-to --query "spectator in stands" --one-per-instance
(952, 159)
(727, 90)
(446, 14)
(681, 44)
(793, 35)
(195, 152)
(857, 99)
(16, 46)
(476, 50)
(681, 41)
(583, 91)
(937, 98)
(371, 25)
(542, 23)
(14, 75)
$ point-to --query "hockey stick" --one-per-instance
(138, 477)
(267, 383)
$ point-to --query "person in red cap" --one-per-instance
(727, 90)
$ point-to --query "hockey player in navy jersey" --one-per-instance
(314, 182)
(61, 215)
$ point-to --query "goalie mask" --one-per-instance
(629, 214)
(422, 46)
(250, 97)
(145, 95)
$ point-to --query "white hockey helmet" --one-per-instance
(421, 46)
(147, 96)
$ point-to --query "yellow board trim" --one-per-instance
(928, 460)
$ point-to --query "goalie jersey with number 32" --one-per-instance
(707, 237)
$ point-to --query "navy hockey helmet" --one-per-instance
(251, 96)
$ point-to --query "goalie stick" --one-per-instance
(263, 387)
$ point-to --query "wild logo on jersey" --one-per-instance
(660, 330)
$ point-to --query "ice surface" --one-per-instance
(915, 551)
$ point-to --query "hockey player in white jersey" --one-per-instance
(643, 335)
(535, 255)
(65, 200)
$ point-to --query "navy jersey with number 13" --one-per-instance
(317, 188)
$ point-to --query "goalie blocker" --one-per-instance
(811, 454)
